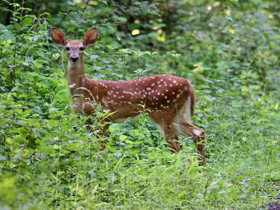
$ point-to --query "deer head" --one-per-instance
(75, 48)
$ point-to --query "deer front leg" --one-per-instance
(102, 131)
(103, 135)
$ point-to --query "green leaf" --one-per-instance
(26, 21)
(122, 137)
(9, 140)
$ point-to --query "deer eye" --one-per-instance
(81, 48)
(67, 48)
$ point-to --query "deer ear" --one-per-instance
(58, 37)
(90, 37)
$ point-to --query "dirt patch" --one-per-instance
(274, 206)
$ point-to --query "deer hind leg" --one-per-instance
(197, 135)
(170, 135)
(168, 131)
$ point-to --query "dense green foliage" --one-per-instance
(229, 50)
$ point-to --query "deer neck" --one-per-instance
(76, 76)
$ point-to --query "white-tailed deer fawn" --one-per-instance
(169, 100)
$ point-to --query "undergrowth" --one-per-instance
(48, 160)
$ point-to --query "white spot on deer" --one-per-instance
(178, 95)
(158, 93)
(153, 84)
(168, 101)
(165, 97)
(148, 88)
(104, 101)
(173, 93)
(197, 132)
(170, 85)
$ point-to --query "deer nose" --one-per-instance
(74, 58)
